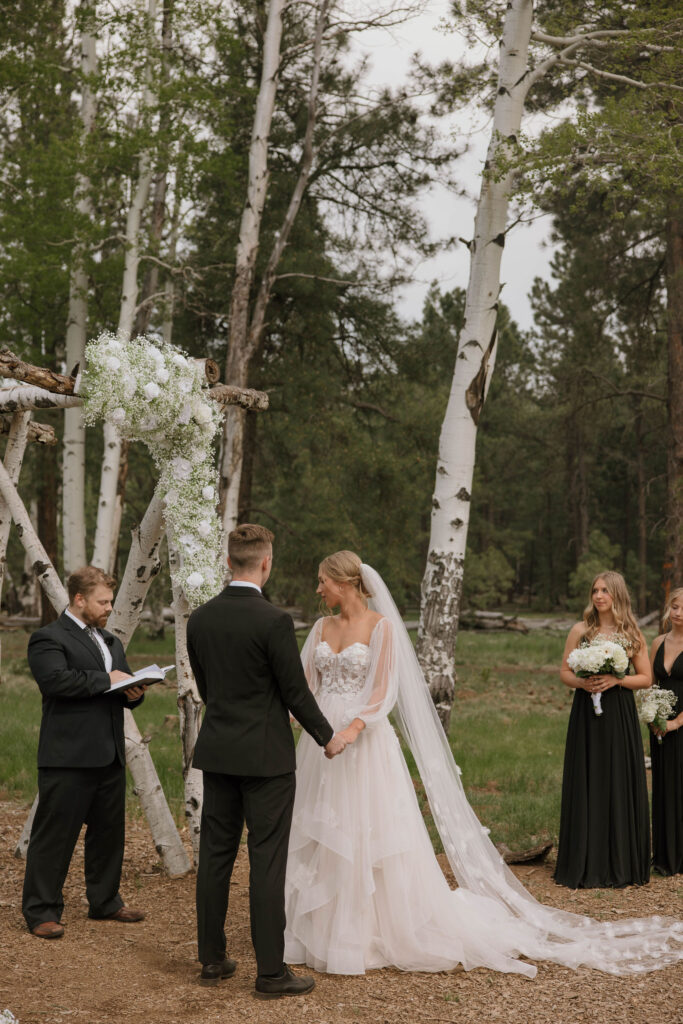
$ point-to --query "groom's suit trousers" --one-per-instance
(266, 804)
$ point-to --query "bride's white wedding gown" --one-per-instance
(364, 888)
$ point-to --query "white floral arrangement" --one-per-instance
(655, 706)
(601, 656)
(152, 392)
(7, 1017)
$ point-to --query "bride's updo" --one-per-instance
(345, 567)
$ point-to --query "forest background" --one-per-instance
(572, 472)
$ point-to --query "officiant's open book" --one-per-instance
(148, 675)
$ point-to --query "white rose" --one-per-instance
(204, 528)
(180, 361)
(208, 493)
(171, 497)
(162, 374)
(129, 387)
(195, 579)
(185, 413)
(149, 423)
(151, 391)
(118, 416)
(182, 467)
(185, 386)
(201, 412)
(113, 364)
(189, 542)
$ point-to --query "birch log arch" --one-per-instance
(151, 392)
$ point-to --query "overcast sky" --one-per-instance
(527, 253)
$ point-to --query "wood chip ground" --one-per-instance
(111, 973)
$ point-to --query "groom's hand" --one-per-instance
(335, 746)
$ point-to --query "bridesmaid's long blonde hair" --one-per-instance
(621, 609)
(675, 595)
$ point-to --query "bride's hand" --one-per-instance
(351, 733)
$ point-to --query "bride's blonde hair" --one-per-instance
(345, 567)
(675, 595)
(621, 609)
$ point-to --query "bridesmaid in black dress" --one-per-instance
(667, 756)
(604, 822)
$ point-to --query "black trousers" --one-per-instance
(67, 799)
(266, 804)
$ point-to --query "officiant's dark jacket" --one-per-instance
(82, 725)
(245, 659)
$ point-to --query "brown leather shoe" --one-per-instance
(127, 915)
(48, 930)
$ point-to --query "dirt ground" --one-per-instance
(106, 972)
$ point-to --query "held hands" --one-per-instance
(335, 746)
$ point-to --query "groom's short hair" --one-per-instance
(248, 545)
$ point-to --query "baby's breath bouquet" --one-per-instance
(153, 393)
(600, 657)
(655, 706)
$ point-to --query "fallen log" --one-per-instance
(524, 856)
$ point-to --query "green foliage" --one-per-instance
(600, 556)
(488, 579)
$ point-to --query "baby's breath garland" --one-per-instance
(151, 392)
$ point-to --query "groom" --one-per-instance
(246, 662)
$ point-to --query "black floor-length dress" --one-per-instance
(667, 778)
(604, 822)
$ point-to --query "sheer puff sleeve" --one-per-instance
(308, 656)
(379, 694)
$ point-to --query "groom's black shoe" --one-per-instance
(213, 973)
(285, 984)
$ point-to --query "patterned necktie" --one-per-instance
(93, 637)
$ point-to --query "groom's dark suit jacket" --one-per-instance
(245, 659)
(82, 725)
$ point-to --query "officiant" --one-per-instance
(81, 758)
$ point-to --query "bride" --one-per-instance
(364, 888)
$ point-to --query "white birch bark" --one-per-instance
(14, 456)
(73, 457)
(189, 708)
(22, 845)
(442, 582)
(29, 396)
(41, 566)
(106, 507)
(236, 370)
(142, 566)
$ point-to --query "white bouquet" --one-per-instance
(655, 706)
(599, 657)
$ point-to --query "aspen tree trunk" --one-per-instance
(111, 457)
(73, 458)
(237, 363)
(189, 708)
(14, 456)
(246, 344)
(442, 582)
(142, 566)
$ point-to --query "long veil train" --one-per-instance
(544, 933)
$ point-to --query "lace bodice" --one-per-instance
(342, 673)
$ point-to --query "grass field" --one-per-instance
(508, 729)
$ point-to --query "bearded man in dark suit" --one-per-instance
(81, 757)
(245, 659)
